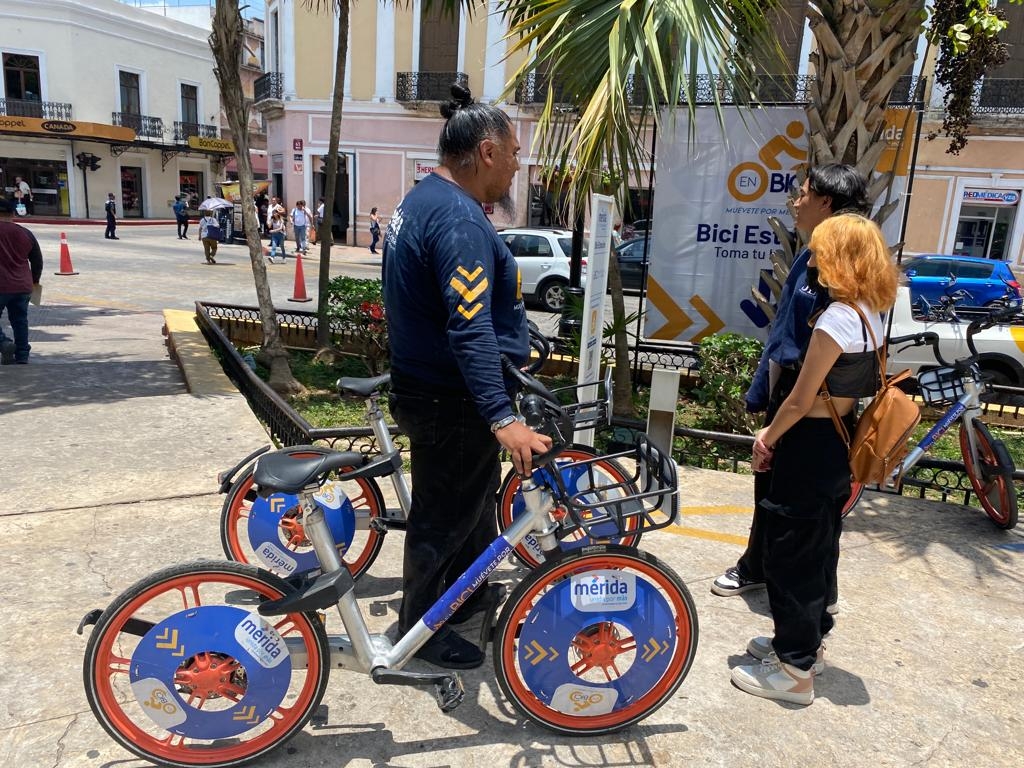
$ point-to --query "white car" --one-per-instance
(1001, 347)
(543, 259)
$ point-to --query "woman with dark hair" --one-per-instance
(806, 461)
(374, 229)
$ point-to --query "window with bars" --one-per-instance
(21, 77)
(189, 104)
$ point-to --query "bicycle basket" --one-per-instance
(590, 413)
(940, 386)
(601, 510)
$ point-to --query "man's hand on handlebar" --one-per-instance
(522, 443)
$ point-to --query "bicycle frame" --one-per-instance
(359, 650)
(965, 408)
(375, 419)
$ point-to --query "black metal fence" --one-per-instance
(47, 110)
(1000, 95)
(268, 86)
(427, 86)
(184, 131)
(939, 479)
(145, 126)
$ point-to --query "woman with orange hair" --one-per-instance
(807, 460)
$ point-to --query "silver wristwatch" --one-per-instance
(502, 423)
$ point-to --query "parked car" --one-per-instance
(1001, 347)
(985, 281)
(633, 263)
(543, 259)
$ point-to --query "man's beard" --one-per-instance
(507, 206)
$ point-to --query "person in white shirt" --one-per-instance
(300, 224)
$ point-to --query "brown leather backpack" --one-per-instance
(880, 440)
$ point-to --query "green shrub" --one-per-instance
(727, 365)
(356, 308)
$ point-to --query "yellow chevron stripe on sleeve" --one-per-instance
(467, 293)
(470, 313)
(471, 276)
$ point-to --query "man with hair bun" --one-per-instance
(454, 306)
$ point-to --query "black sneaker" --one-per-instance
(481, 600)
(451, 650)
(731, 583)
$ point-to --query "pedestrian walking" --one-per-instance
(301, 219)
(23, 194)
(374, 229)
(21, 266)
(111, 210)
(181, 217)
(210, 234)
(276, 237)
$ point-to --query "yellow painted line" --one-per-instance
(91, 301)
(728, 538)
(717, 509)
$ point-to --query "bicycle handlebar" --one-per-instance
(994, 316)
(542, 412)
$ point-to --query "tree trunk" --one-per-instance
(324, 233)
(226, 41)
(622, 402)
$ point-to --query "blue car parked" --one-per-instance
(986, 281)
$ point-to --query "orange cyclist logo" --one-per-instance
(748, 181)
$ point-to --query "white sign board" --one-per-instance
(711, 238)
(602, 211)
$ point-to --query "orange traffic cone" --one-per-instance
(300, 281)
(65, 257)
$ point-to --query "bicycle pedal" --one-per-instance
(449, 693)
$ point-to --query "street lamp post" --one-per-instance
(87, 160)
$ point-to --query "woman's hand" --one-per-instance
(762, 458)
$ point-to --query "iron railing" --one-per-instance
(183, 131)
(267, 87)
(47, 110)
(427, 86)
(938, 479)
(144, 126)
(1000, 96)
(711, 89)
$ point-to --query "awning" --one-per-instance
(66, 129)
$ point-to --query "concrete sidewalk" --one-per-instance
(109, 474)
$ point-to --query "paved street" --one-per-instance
(109, 474)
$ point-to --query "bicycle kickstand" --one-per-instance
(448, 688)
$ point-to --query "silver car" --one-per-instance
(543, 259)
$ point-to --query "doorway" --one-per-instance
(132, 204)
(340, 220)
(983, 230)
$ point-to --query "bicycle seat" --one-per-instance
(363, 387)
(285, 473)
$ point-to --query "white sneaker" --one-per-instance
(773, 679)
(761, 648)
(832, 609)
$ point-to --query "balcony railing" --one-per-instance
(427, 86)
(1001, 96)
(767, 89)
(267, 87)
(144, 126)
(183, 131)
(47, 110)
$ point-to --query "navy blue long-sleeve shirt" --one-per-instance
(790, 330)
(452, 298)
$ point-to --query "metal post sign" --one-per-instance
(602, 211)
(711, 238)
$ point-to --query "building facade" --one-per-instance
(103, 97)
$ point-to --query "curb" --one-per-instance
(200, 369)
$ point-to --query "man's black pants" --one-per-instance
(455, 475)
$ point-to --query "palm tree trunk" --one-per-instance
(226, 41)
(324, 232)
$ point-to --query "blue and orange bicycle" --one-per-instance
(217, 663)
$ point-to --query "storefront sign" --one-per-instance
(992, 196)
(296, 145)
(211, 145)
(65, 128)
(423, 169)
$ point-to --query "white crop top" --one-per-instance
(843, 324)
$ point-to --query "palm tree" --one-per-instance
(226, 41)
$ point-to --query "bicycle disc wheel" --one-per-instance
(181, 669)
(991, 474)
(607, 471)
(590, 643)
(856, 491)
(269, 532)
